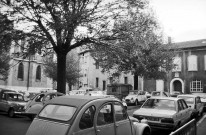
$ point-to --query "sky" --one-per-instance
(182, 20)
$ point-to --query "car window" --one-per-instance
(58, 112)
(120, 113)
(163, 104)
(105, 115)
(87, 118)
(47, 97)
(184, 104)
(198, 100)
(188, 100)
(156, 94)
(39, 98)
(15, 97)
(180, 106)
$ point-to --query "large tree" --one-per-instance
(139, 50)
(6, 29)
(68, 24)
(72, 71)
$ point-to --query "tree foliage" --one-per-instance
(63, 25)
(72, 70)
(139, 49)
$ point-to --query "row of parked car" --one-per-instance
(57, 113)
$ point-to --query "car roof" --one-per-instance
(187, 95)
(159, 97)
(76, 100)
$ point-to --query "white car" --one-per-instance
(194, 102)
(135, 97)
(167, 113)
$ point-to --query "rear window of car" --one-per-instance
(188, 100)
(162, 104)
(58, 112)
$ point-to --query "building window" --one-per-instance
(192, 63)
(20, 75)
(126, 80)
(38, 73)
(196, 86)
(97, 82)
(97, 65)
(177, 64)
(104, 85)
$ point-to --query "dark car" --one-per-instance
(85, 115)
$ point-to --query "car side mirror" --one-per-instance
(189, 106)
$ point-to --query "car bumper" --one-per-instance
(164, 126)
(129, 101)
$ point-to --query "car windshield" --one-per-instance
(155, 93)
(163, 104)
(58, 112)
(189, 100)
(15, 97)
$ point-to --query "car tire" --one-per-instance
(136, 102)
(11, 113)
(146, 132)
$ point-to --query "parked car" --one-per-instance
(85, 115)
(160, 93)
(164, 112)
(175, 93)
(135, 97)
(194, 102)
(36, 103)
(202, 98)
(11, 102)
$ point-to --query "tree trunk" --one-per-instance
(61, 73)
(136, 82)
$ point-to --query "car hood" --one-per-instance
(46, 127)
(130, 96)
(154, 112)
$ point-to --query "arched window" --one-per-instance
(38, 73)
(192, 63)
(20, 75)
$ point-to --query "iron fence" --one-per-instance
(188, 129)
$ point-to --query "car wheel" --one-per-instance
(146, 132)
(11, 113)
(178, 126)
(136, 102)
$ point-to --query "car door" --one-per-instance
(187, 110)
(199, 105)
(3, 102)
(122, 123)
(181, 112)
(86, 123)
(105, 120)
